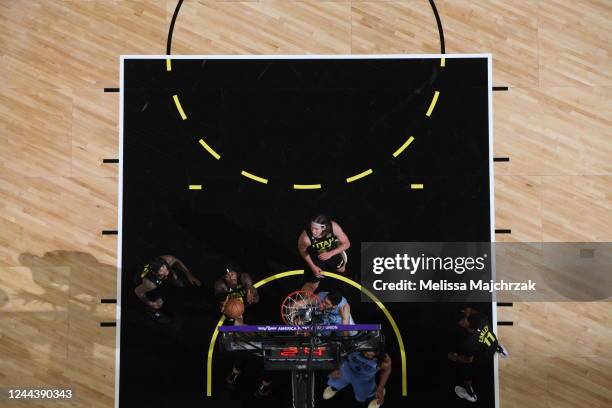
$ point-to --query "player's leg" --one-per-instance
(337, 380)
(156, 313)
(365, 391)
(237, 368)
(265, 385)
(466, 391)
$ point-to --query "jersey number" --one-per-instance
(489, 339)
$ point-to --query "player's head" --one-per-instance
(476, 321)
(159, 267)
(231, 275)
(462, 320)
(332, 300)
(377, 354)
(320, 225)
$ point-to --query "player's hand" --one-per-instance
(324, 256)
(380, 395)
(335, 374)
(250, 296)
(452, 356)
(194, 281)
(318, 272)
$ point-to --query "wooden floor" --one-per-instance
(57, 125)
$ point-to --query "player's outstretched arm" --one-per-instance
(221, 291)
(252, 293)
(343, 240)
(385, 373)
(172, 260)
(345, 313)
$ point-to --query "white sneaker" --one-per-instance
(462, 393)
(374, 403)
(329, 393)
(502, 351)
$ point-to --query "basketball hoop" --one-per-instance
(298, 308)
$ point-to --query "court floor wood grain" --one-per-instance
(57, 125)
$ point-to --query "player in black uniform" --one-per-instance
(165, 268)
(235, 285)
(238, 285)
(323, 246)
(479, 343)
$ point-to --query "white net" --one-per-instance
(298, 308)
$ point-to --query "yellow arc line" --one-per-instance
(210, 149)
(416, 186)
(433, 103)
(254, 177)
(168, 64)
(443, 62)
(306, 186)
(211, 350)
(398, 335)
(403, 147)
(195, 187)
(179, 107)
(360, 175)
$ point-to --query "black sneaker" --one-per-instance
(263, 391)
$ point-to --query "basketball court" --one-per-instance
(214, 131)
(236, 196)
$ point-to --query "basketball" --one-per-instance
(233, 308)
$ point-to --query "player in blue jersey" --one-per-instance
(359, 369)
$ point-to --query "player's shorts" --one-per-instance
(331, 265)
(364, 388)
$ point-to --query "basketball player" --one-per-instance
(323, 246)
(165, 268)
(359, 370)
(336, 311)
(479, 343)
(235, 285)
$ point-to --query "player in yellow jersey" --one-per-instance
(323, 246)
(479, 343)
